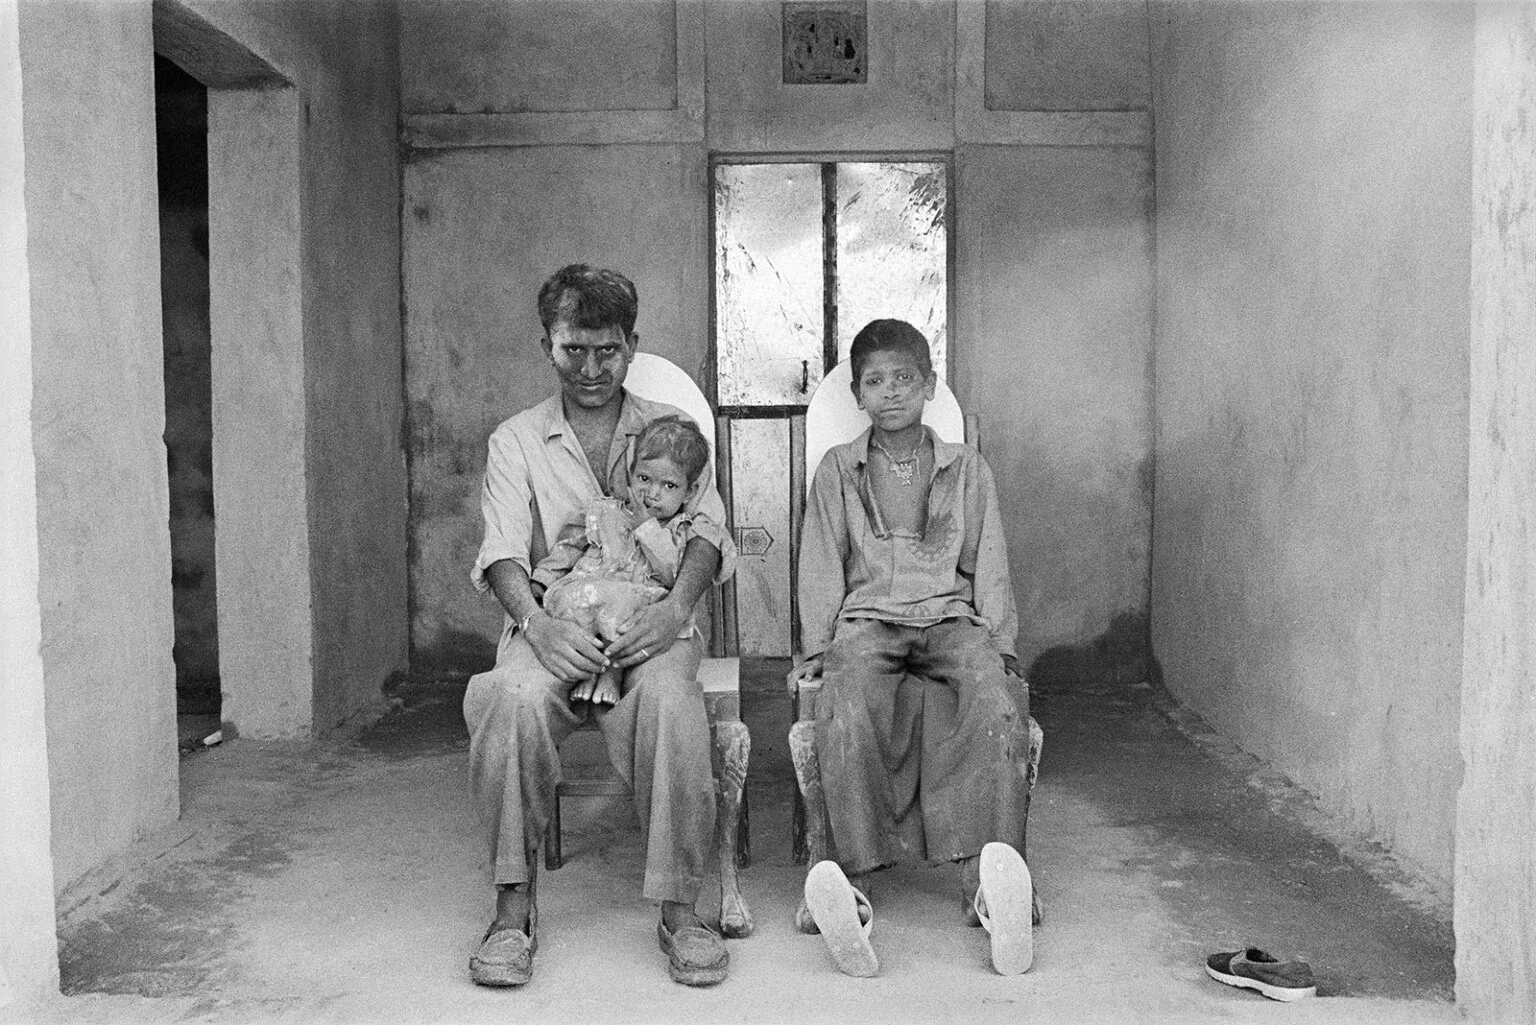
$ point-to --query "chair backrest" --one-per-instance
(833, 415)
(660, 380)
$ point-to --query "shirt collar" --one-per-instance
(631, 417)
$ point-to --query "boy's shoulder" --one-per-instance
(967, 456)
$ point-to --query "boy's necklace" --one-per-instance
(903, 468)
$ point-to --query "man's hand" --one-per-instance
(648, 633)
(805, 672)
(565, 649)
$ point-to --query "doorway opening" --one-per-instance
(181, 144)
(806, 252)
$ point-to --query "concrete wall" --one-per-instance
(98, 391)
(1052, 208)
(97, 414)
(1054, 290)
(29, 963)
(1495, 860)
(1313, 186)
(341, 61)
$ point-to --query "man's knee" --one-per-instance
(508, 694)
(670, 692)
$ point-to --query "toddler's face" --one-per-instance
(660, 486)
(892, 389)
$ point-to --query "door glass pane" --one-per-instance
(891, 250)
(768, 283)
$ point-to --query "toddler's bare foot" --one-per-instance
(583, 691)
(606, 690)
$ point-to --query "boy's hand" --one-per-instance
(805, 672)
(565, 649)
(1012, 667)
(647, 634)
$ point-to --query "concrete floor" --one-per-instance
(344, 881)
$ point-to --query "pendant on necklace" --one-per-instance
(903, 469)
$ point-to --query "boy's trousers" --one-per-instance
(657, 738)
(919, 769)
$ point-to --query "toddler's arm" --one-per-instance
(568, 550)
(662, 548)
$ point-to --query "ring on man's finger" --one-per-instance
(644, 653)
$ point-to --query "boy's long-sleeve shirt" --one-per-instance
(853, 567)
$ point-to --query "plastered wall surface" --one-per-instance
(483, 229)
(484, 225)
(459, 51)
(908, 103)
(1067, 55)
(1313, 186)
(98, 398)
(29, 964)
(260, 428)
(1054, 286)
(1495, 861)
(98, 416)
(343, 61)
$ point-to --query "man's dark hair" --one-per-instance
(676, 438)
(589, 297)
(888, 336)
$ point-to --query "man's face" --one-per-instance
(591, 362)
(892, 389)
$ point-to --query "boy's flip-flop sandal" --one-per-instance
(1004, 904)
(834, 904)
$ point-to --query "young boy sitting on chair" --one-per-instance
(903, 570)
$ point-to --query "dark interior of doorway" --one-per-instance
(181, 138)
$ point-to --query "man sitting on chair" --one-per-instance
(545, 466)
(903, 570)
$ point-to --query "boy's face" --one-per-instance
(591, 362)
(892, 389)
(660, 486)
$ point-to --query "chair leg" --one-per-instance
(552, 854)
(733, 746)
(802, 750)
(744, 833)
(798, 855)
(1029, 768)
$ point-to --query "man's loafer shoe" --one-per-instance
(505, 957)
(695, 955)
